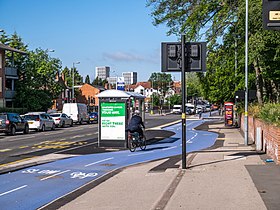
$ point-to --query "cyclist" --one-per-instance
(135, 124)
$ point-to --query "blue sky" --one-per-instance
(115, 33)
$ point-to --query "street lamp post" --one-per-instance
(73, 77)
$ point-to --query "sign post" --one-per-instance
(183, 57)
(184, 130)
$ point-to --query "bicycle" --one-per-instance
(134, 141)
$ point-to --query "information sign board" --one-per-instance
(112, 120)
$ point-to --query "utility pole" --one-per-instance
(184, 162)
(246, 79)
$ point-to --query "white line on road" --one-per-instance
(78, 136)
(17, 139)
(98, 161)
(48, 177)
(4, 193)
(57, 132)
(169, 148)
(5, 150)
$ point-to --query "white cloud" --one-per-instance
(126, 57)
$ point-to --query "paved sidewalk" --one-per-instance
(215, 179)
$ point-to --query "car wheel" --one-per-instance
(13, 131)
(43, 128)
(26, 129)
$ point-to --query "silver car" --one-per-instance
(39, 121)
(62, 119)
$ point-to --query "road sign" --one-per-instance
(120, 83)
(195, 56)
(271, 14)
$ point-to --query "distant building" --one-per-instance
(102, 72)
(112, 80)
(130, 78)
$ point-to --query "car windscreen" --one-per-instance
(55, 115)
(31, 117)
(3, 117)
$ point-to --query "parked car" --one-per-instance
(10, 123)
(62, 119)
(93, 117)
(77, 111)
(190, 107)
(39, 121)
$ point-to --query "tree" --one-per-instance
(38, 87)
(87, 81)
(225, 20)
(161, 82)
(99, 81)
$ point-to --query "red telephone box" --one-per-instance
(228, 107)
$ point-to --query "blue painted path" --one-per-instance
(36, 186)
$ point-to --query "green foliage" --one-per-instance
(175, 99)
(99, 81)
(222, 25)
(161, 82)
(270, 113)
(34, 99)
(87, 79)
(13, 110)
(156, 99)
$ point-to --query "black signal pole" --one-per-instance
(183, 85)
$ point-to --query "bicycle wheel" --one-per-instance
(143, 143)
(131, 145)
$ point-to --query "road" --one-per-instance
(36, 186)
(69, 140)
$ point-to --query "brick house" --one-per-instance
(64, 95)
(8, 76)
(87, 95)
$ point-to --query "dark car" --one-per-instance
(93, 117)
(10, 123)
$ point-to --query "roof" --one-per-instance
(119, 94)
(6, 47)
(145, 85)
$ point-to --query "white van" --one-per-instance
(177, 109)
(77, 111)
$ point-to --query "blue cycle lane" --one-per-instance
(36, 186)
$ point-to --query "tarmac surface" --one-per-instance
(228, 175)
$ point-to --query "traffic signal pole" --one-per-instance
(183, 79)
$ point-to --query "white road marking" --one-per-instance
(48, 177)
(17, 139)
(78, 136)
(57, 132)
(4, 193)
(5, 150)
(98, 161)
(170, 148)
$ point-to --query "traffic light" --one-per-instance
(271, 14)
(171, 57)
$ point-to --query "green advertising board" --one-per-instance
(112, 119)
